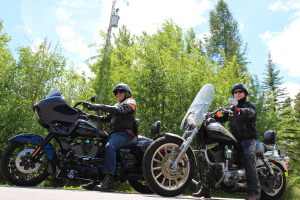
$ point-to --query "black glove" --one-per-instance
(90, 106)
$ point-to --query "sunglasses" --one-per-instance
(238, 91)
(119, 91)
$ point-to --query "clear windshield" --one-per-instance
(54, 93)
(200, 105)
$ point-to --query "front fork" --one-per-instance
(46, 140)
(185, 145)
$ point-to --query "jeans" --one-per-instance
(253, 183)
(115, 142)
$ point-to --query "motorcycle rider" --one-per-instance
(121, 117)
(243, 128)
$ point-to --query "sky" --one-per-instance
(265, 25)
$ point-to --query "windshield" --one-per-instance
(200, 105)
(54, 93)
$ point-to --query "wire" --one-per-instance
(62, 6)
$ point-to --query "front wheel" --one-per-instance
(17, 167)
(157, 162)
(278, 186)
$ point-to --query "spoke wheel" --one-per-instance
(157, 167)
(278, 186)
(18, 168)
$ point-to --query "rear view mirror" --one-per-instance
(233, 101)
(93, 99)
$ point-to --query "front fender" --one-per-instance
(183, 140)
(36, 139)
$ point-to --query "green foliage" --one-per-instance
(224, 35)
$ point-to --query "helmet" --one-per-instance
(240, 86)
(125, 87)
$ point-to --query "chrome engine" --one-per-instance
(85, 149)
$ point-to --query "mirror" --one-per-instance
(92, 99)
(233, 101)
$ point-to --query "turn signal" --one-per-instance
(219, 114)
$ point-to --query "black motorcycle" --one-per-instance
(169, 161)
(80, 149)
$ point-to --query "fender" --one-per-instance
(183, 140)
(36, 139)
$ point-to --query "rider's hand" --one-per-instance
(237, 112)
(94, 107)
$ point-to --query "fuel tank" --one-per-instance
(88, 130)
(216, 131)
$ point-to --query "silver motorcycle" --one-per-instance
(170, 161)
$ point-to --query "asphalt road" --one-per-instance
(34, 193)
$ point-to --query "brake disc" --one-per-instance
(22, 161)
(169, 173)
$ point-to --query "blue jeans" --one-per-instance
(253, 183)
(115, 142)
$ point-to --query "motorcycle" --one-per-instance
(80, 149)
(170, 161)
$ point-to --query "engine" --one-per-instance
(86, 149)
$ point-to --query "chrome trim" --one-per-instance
(219, 128)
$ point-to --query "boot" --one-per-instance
(90, 185)
(203, 192)
(107, 186)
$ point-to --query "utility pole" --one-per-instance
(113, 14)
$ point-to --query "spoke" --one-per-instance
(158, 175)
(160, 154)
(166, 152)
(163, 181)
(158, 161)
(173, 149)
(157, 168)
(176, 182)
(170, 183)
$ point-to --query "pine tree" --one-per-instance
(225, 36)
(297, 107)
(273, 82)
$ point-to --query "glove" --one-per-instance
(94, 107)
(237, 112)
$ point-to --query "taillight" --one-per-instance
(287, 164)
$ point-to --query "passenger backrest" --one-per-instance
(136, 126)
(270, 137)
(155, 128)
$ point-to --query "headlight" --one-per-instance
(192, 119)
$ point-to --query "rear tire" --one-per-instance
(140, 186)
(279, 185)
(15, 168)
(161, 178)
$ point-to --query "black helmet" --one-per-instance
(239, 86)
(125, 87)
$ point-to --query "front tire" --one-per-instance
(278, 186)
(161, 178)
(16, 168)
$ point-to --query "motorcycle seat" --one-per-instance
(263, 148)
(131, 143)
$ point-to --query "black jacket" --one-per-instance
(121, 116)
(242, 126)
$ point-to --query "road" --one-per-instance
(34, 193)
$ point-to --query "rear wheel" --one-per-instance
(18, 168)
(140, 186)
(158, 173)
(278, 186)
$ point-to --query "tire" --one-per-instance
(159, 176)
(140, 186)
(279, 185)
(16, 171)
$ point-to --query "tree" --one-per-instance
(224, 37)
(273, 82)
